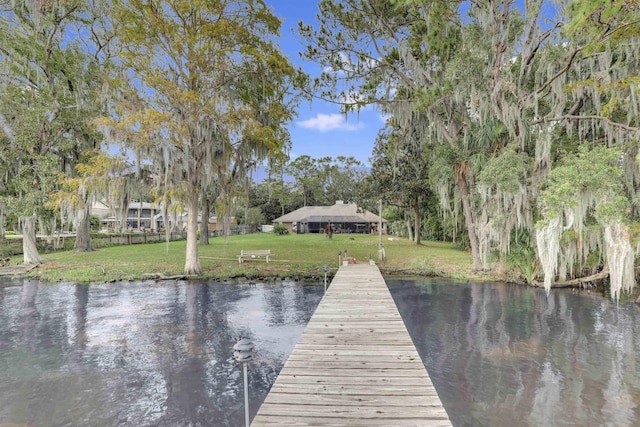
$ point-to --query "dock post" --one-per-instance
(243, 352)
(246, 395)
(326, 269)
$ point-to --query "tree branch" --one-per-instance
(601, 118)
(556, 75)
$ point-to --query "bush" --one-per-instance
(94, 222)
(522, 260)
(254, 218)
(280, 229)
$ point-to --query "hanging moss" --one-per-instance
(584, 186)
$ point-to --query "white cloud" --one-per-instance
(327, 122)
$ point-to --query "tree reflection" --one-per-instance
(80, 316)
(26, 325)
(143, 354)
(201, 377)
(276, 304)
(185, 375)
(501, 354)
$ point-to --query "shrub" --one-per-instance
(522, 260)
(280, 229)
(94, 222)
(255, 217)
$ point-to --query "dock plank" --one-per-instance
(355, 365)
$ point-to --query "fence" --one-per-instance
(13, 247)
(133, 239)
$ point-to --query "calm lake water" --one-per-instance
(503, 355)
(142, 354)
(147, 354)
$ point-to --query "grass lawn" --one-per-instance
(295, 256)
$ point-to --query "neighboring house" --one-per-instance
(149, 216)
(139, 215)
(343, 217)
(214, 226)
(100, 209)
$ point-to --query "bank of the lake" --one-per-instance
(295, 256)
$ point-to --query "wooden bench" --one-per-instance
(255, 254)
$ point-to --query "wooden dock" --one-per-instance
(355, 365)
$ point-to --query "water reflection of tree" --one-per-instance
(201, 377)
(501, 354)
(47, 381)
(28, 314)
(290, 302)
(79, 337)
(306, 298)
(18, 350)
(184, 367)
(276, 304)
(137, 354)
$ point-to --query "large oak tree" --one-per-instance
(50, 68)
(505, 91)
(203, 94)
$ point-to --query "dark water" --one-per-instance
(146, 354)
(503, 355)
(139, 354)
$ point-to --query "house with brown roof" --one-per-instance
(343, 217)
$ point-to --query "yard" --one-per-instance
(294, 256)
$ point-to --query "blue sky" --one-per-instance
(320, 129)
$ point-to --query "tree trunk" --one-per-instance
(417, 222)
(409, 229)
(204, 223)
(29, 248)
(83, 235)
(3, 206)
(470, 223)
(192, 262)
(575, 282)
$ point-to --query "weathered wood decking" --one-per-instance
(356, 364)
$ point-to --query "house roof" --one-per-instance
(100, 209)
(334, 218)
(142, 205)
(340, 212)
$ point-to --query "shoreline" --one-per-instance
(296, 257)
(313, 274)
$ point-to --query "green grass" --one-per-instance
(295, 256)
